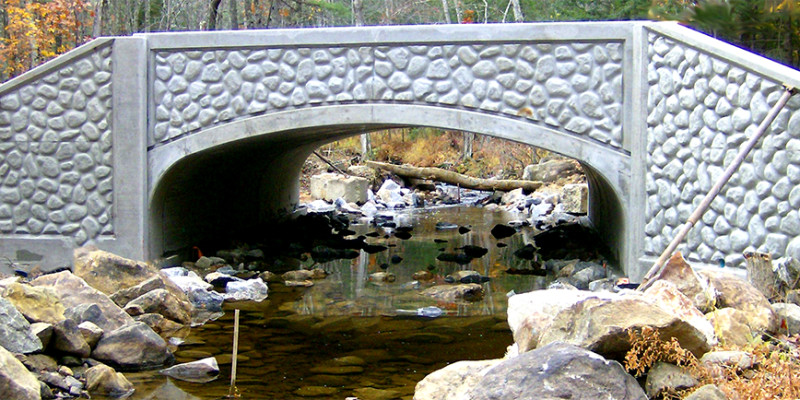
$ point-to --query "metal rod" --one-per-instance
(329, 163)
(233, 392)
(703, 206)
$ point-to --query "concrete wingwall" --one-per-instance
(154, 142)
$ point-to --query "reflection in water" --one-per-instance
(345, 336)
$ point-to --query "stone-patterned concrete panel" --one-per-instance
(701, 109)
(55, 153)
(573, 86)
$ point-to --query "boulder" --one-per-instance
(39, 363)
(530, 314)
(460, 292)
(252, 289)
(682, 275)
(68, 339)
(668, 297)
(43, 331)
(37, 304)
(550, 171)
(789, 315)
(108, 272)
(737, 293)
(91, 332)
(575, 198)
(329, 187)
(104, 380)
(15, 331)
(731, 327)
(390, 192)
(16, 382)
(73, 291)
(161, 301)
(198, 291)
(707, 392)
(557, 370)
(452, 381)
(131, 347)
(602, 325)
(159, 281)
(667, 378)
(200, 371)
(297, 275)
(158, 323)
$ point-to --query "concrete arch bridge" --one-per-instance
(146, 143)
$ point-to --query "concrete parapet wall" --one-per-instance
(705, 100)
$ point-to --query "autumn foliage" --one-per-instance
(38, 31)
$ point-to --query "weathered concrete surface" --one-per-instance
(170, 139)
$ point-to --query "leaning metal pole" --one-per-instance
(703, 206)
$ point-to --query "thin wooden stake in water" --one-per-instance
(701, 209)
(233, 392)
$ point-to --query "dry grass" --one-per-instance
(775, 374)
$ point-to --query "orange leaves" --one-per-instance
(37, 32)
(469, 17)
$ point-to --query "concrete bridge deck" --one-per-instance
(148, 143)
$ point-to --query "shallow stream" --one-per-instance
(350, 336)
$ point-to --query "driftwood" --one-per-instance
(454, 178)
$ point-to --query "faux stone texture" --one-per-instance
(574, 86)
(57, 130)
(722, 105)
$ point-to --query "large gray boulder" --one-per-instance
(602, 325)
(668, 297)
(15, 331)
(161, 301)
(452, 381)
(132, 347)
(530, 314)
(329, 187)
(68, 339)
(550, 171)
(104, 380)
(37, 304)
(556, 371)
(73, 291)
(682, 275)
(16, 382)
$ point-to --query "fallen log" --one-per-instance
(454, 178)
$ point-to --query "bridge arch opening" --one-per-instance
(231, 180)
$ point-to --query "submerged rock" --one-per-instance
(200, 371)
(105, 380)
(501, 231)
(464, 292)
(558, 370)
(252, 289)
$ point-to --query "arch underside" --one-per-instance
(231, 179)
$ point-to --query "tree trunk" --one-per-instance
(455, 178)
(459, 14)
(366, 147)
(446, 9)
(518, 17)
(358, 13)
(234, 15)
(469, 138)
(100, 14)
(213, 12)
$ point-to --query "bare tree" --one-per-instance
(518, 17)
(213, 13)
(358, 12)
(234, 14)
(446, 9)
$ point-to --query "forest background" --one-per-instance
(34, 31)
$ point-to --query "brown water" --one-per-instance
(344, 336)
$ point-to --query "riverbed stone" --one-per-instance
(737, 293)
(37, 304)
(601, 325)
(550, 171)
(667, 378)
(15, 331)
(370, 393)
(556, 370)
(162, 302)
(530, 314)
(73, 291)
(16, 382)
(199, 371)
(731, 326)
(707, 392)
(68, 339)
(668, 297)
(789, 317)
(108, 272)
(104, 380)
(316, 391)
(452, 381)
(43, 331)
(460, 292)
(91, 332)
(133, 346)
(330, 186)
(575, 198)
